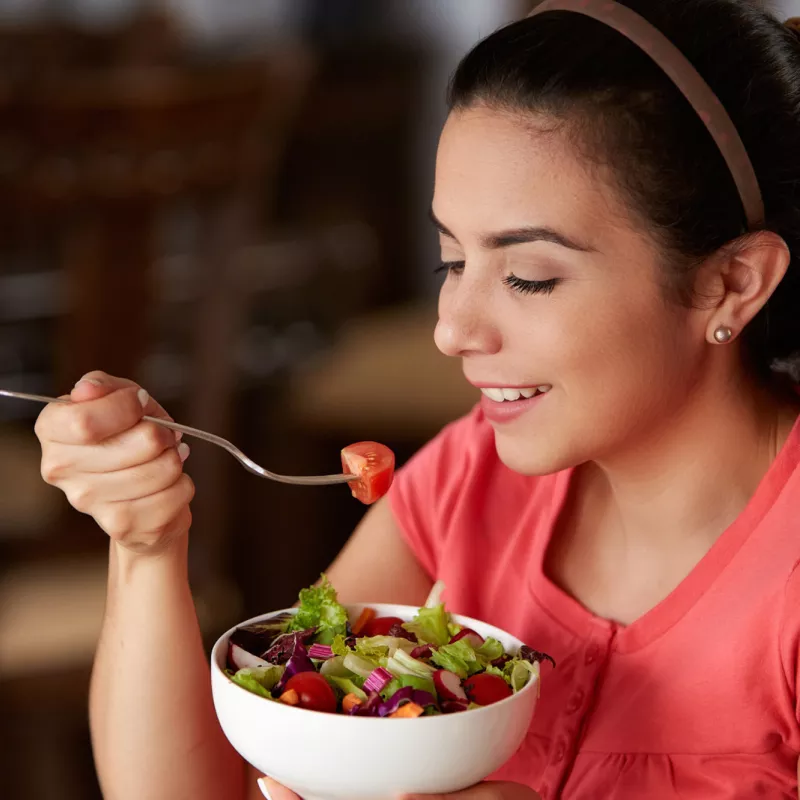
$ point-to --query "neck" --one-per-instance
(696, 472)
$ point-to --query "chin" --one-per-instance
(534, 456)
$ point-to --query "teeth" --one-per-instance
(494, 394)
(510, 395)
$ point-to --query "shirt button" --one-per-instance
(592, 654)
(560, 752)
(575, 701)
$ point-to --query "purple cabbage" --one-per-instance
(259, 637)
(502, 661)
(375, 706)
(399, 632)
(298, 662)
(406, 695)
(423, 651)
(529, 654)
(284, 646)
(369, 708)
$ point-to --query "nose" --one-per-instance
(465, 325)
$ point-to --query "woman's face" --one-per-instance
(553, 289)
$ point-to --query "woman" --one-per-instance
(622, 274)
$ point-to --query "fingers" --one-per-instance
(91, 421)
(147, 522)
(148, 477)
(488, 790)
(138, 445)
(125, 472)
(274, 791)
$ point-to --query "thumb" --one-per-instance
(274, 791)
(488, 790)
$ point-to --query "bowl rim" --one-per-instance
(461, 619)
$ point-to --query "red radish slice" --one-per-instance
(241, 658)
(448, 686)
(453, 706)
(474, 640)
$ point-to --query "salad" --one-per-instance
(376, 666)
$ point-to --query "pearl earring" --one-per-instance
(723, 334)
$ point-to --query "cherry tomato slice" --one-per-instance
(314, 692)
(380, 626)
(486, 689)
(373, 466)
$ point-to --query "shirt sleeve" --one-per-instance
(427, 486)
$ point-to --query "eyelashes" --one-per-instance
(512, 281)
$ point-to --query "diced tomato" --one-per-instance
(364, 618)
(408, 711)
(313, 692)
(373, 466)
(485, 689)
(380, 626)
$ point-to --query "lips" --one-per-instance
(505, 404)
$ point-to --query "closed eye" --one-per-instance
(531, 287)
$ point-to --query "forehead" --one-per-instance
(495, 170)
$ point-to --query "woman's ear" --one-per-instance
(739, 280)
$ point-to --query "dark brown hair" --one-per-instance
(630, 116)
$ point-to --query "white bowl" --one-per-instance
(339, 757)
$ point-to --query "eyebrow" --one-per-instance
(524, 235)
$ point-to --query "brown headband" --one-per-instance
(707, 105)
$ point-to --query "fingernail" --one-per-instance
(183, 451)
(91, 381)
(144, 397)
(262, 784)
(178, 435)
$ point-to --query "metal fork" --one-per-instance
(247, 463)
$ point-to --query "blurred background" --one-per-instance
(226, 202)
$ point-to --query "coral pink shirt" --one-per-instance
(696, 699)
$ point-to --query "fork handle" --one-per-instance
(245, 461)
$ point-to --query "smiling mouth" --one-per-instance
(506, 395)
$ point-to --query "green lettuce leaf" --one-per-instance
(431, 625)
(259, 680)
(320, 609)
(489, 651)
(401, 663)
(458, 657)
(518, 672)
(415, 682)
(338, 645)
(347, 686)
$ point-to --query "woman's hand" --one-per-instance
(489, 790)
(126, 473)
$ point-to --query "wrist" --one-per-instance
(170, 557)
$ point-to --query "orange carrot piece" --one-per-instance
(290, 697)
(349, 702)
(364, 618)
(408, 711)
